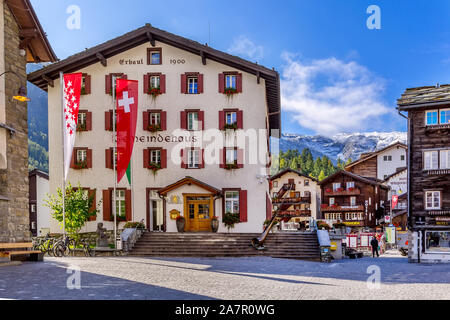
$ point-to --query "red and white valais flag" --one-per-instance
(72, 91)
(394, 201)
(126, 113)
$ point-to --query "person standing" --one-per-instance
(374, 244)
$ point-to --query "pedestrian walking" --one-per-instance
(374, 244)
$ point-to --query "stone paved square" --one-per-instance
(224, 278)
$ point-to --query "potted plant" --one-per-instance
(214, 224)
(230, 126)
(154, 166)
(340, 226)
(181, 222)
(231, 166)
(323, 225)
(230, 92)
(154, 92)
(154, 127)
(81, 126)
(83, 90)
(81, 164)
(230, 219)
(267, 222)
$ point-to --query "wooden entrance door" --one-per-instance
(199, 211)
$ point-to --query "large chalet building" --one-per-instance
(428, 112)
(22, 41)
(199, 90)
(302, 191)
(353, 200)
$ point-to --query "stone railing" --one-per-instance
(129, 237)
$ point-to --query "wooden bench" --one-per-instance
(33, 255)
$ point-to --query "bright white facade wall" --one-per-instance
(398, 184)
(252, 101)
(386, 168)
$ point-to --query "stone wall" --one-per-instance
(14, 215)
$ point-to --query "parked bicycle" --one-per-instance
(44, 244)
(67, 246)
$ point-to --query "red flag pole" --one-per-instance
(61, 77)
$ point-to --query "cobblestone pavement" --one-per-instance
(223, 278)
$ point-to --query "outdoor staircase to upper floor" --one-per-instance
(298, 245)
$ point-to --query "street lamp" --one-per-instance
(22, 92)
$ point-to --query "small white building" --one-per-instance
(39, 213)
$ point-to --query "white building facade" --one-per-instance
(184, 162)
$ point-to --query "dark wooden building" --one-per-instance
(352, 199)
(428, 112)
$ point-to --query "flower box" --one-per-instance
(340, 189)
(230, 91)
(154, 127)
(81, 126)
(81, 165)
(154, 92)
(154, 166)
(231, 166)
(228, 126)
(328, 190)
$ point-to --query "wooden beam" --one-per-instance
(48, 80)
(258, 77)
(202, 54)
(151, 39)
(274, 113)
(102, 59)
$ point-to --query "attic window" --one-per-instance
(154, 56)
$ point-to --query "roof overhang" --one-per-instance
(190, 181)
(288, 170)
(375, 153)
(32, 37)
(149, 34)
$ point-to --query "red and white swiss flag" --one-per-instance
(72, 92)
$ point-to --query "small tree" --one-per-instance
(79, 207)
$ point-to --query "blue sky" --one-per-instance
(337, 75)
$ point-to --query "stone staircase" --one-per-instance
(278, 245)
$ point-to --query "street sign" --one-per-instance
(387, 219)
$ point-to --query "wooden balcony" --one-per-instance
(296, 213)
(343, 192)
(294, 200)
(437, 172)
(438, 127)
(337, 208)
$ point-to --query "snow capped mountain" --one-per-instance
(342, 145)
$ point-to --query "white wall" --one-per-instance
(252, 101)
(386, 168)
(398, 184)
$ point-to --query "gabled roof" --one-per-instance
(287, 170)
(374, 182)
(399, 170)
(422, 96)
(189, 180)
(39, 173)
(33, 37)
(148, 34)
(375, 153)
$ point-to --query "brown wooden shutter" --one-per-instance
(222, 157)
(183, 155)
(107, 83)
(146, 83)
(88, 121)
(200, 83)
(87, 83)
(92, 193)
(146, 158)
(221, 83)
(202, 159)
(163, 158)
(108, 118)
(128, 212)
(123, 76)
(221, 119)
(240, 158)
(240, 119)
(146, 115)
(243, 205)
(201, 118)
(162, 83)
(108, 158)
(183, 120)
(239, 82)
(72, 160)
(163, 120)
(183, 83)
(106, 205)
(89, 158)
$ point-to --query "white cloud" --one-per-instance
(330, 96)
(246, 48)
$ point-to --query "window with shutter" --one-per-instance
(86, 84)
(431, 160)
(107, 204)
(154, 56)
(82, 121)
(109, 79)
